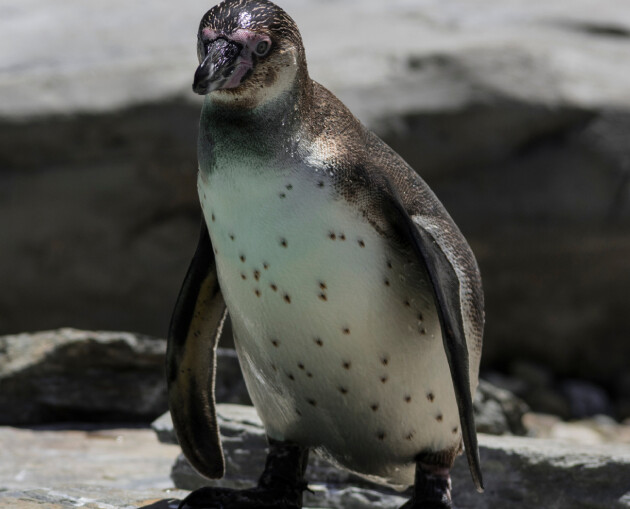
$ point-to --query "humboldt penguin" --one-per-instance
(355, 301)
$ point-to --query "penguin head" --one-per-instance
(249, 52)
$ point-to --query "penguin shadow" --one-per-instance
(167, 503)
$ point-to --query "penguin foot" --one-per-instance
(279, 487)
(432, 488)
(255, 498)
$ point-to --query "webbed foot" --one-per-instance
(279, 487)
(432, 488)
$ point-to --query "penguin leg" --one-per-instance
(432, 487)
(280, 486)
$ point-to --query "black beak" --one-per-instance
(217, 66)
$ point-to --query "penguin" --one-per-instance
(356, 303)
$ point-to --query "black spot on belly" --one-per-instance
(257, 292)
(287, 298)
(384, 378)
(346, 330)
(439, 417)
(311, 402)
(381, 435)
(332, 236)
(289, 187)
(256, 275)
(431, 397)
(322, 296)
(243, 276)
(283, 242)
(374, 407)
(300, 365)
(454, 430)
(265, 265)
(407, 399)
(319, 342)
(273, 287)
(410, 435)
(346, 365)
(275, 343)
(361, 243)
(283, 195)
(242, 257)
(343, 390)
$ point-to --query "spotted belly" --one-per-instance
(335, 329)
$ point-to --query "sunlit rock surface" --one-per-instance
(520, 473)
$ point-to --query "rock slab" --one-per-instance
(522, 473)
(94, 376)
(73, 375)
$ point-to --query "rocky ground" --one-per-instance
(69, 374)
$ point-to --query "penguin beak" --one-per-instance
(217, 66)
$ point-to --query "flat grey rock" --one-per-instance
(524, 473)
(69, 374)
(94, 376)
(85, 466)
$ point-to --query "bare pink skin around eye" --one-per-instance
(248, 39)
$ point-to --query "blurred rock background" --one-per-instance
(516, 113)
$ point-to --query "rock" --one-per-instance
(622, 395)
(72, 375)
(498, 411)
(596, 430)
(525, 473)
(586, 399)
(84, 466)
(229, 384)
(517, 114)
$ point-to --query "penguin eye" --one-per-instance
(262, 48)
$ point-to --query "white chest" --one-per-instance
(338, 339)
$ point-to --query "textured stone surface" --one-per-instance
(522, 473)
(498, 411)
(84, 466)
(74, 375)
(77, 375)
(515, 112)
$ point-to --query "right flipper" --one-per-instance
(194, 331)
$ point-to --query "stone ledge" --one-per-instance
(527, 473)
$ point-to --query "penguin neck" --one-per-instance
(268, 130)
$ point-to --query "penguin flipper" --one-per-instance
(423, 233)
(194, 332)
